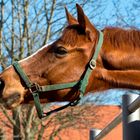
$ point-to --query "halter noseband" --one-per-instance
(35, 89)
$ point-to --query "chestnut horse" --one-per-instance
(67, 59)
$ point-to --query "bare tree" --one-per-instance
(1, 29)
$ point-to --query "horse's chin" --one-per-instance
(12, 102)
(10, 106)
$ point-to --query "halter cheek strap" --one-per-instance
(35, 89)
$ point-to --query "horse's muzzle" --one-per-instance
(8, 102)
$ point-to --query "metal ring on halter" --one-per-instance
(92, 64)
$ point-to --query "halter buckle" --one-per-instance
(92, 64)
(34, 88)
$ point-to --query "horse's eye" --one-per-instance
(60, 51)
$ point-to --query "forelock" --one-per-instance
(71, 35)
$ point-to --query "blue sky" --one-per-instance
(127, 12)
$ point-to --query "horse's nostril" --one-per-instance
(1, 86)
(1, 82)
(12, 100)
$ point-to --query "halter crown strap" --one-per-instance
(35, 89)
(92, 65)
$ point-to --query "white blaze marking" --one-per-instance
(32, 54)
(36, 52)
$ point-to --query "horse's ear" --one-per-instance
(85, 23)
(71, 20)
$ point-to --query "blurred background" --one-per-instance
(27, 25)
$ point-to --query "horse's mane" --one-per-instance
(113, 36)
(119, 37)
(71, 35)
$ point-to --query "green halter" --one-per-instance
(35, 89)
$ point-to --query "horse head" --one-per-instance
(62, 61)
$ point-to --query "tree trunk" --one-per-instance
(49, 20)
(16, 127)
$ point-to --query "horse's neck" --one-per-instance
(103, 79)
(121, 50)
(117, 66)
